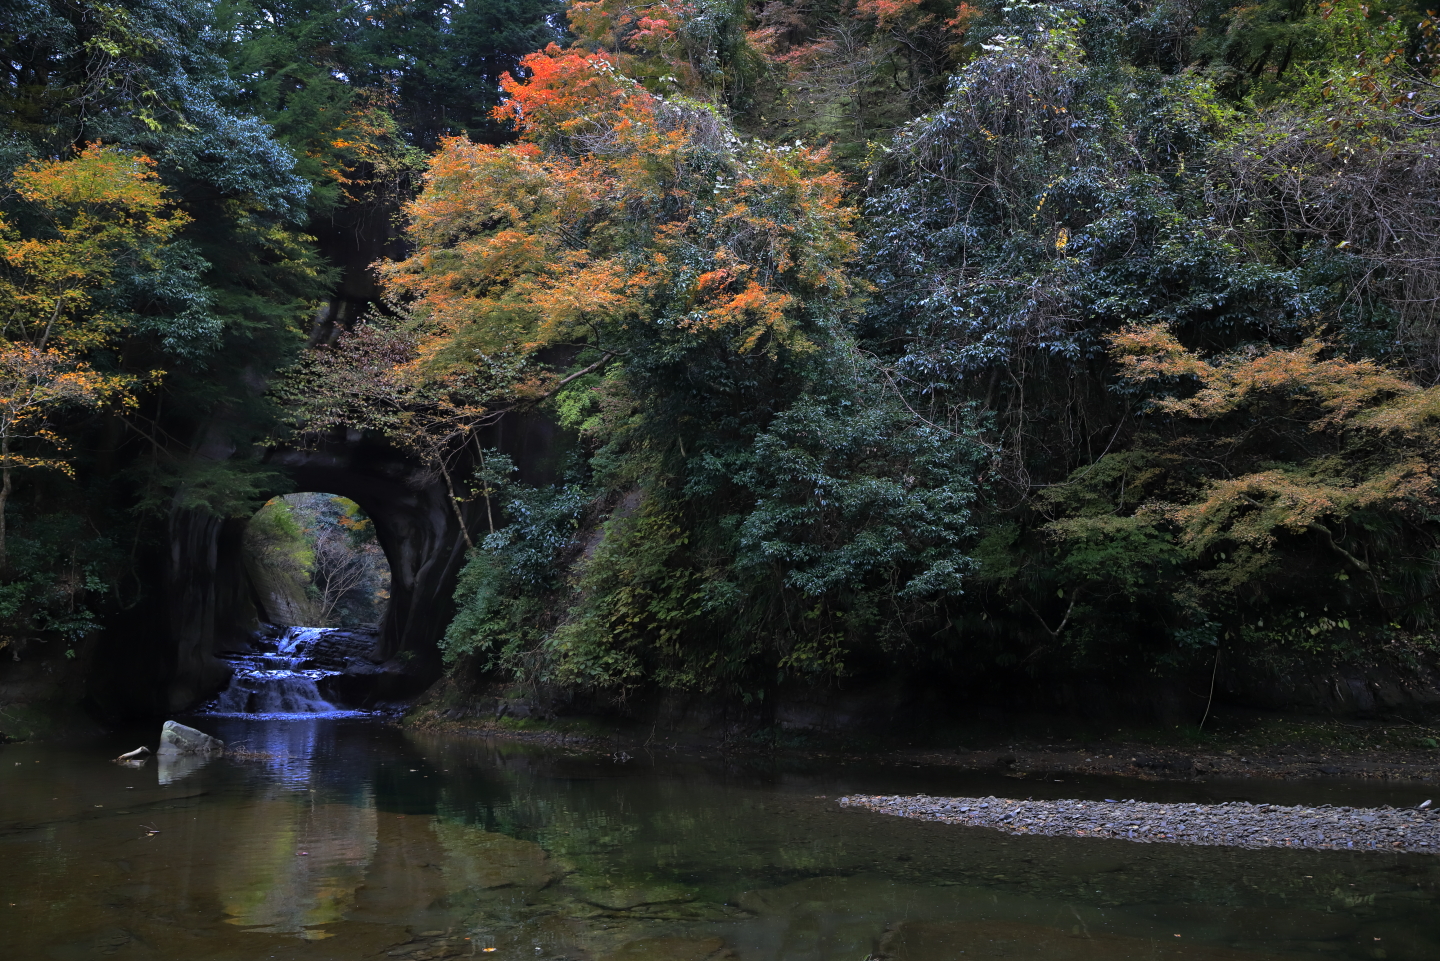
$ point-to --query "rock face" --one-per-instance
(279, 595)
(1377, 690)
(207, 603)
(414, 523)
(177, 739)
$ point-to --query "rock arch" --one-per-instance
(210, 605)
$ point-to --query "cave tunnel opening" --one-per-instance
(313, 560)
(219, 601)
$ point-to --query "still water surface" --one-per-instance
(358, 840)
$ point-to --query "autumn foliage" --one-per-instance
(874, 335)
(98, 213)
(93, 216)
(618, 218)
(1370, 435)
(1247, 466)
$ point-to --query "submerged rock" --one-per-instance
(621, 895)
(481, 859)
(177, 739)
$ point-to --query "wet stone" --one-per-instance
(177, 739)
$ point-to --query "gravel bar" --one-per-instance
(1234, 824)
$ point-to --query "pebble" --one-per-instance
(1232, 824)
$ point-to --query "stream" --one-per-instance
(349, 838)
(284, 678)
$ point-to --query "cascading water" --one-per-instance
(287, 680)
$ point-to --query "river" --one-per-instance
(350, 838)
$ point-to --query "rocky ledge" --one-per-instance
(1236, 824)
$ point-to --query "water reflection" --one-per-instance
(345, 839)
(303, 865)
(284, 750)
(172, 767)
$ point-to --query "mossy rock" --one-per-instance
(475, 858)
(624, 895)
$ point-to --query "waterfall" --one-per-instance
(279, 691)
(284, 681)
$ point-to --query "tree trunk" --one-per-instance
(489, 515)
(4, 494)
(455, 506)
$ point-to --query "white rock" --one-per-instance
(178, 739)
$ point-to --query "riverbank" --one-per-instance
(1130, 758)
(1233, 824)
(1237, 744)
(1237, 747)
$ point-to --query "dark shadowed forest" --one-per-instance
(876, 342)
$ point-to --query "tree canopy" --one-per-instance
(883, 336)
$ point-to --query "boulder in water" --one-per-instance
(178, 739)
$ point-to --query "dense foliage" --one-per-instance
(153, 260)
(167, 169)
(1202, 323)
(1133, 360)
(888, 335)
